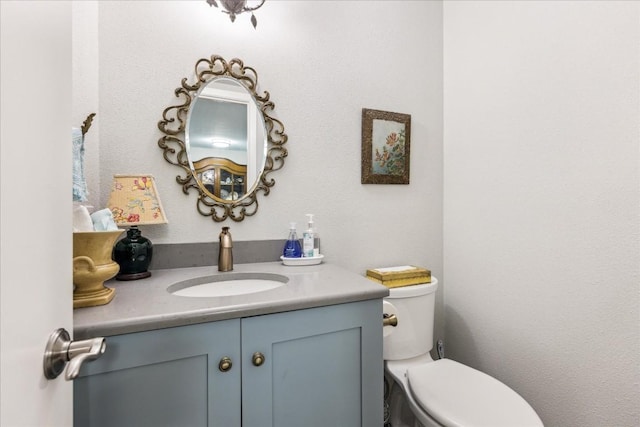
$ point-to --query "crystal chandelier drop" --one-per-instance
(236, 7)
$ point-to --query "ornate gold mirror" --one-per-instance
(221, 135)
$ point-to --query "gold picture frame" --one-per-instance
(386, 138)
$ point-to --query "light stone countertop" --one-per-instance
(143, 305)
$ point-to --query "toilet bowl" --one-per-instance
(442, 392)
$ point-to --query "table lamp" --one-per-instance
(134, 201)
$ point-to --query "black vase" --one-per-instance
(133, 254)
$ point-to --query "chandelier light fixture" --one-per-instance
(236, 7)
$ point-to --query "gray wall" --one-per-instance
(540, 163)
(322, 62)
(541, 229)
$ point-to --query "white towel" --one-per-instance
(81, 219)
(79, 184)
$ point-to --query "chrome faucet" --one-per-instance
(225, 252)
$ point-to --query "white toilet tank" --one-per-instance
(414, 308)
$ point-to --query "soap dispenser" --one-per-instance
(311, 240)
(308, 241)
(316, 237)
(292, 248)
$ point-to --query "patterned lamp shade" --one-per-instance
(134, 201)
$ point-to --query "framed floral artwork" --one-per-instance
(385, 147)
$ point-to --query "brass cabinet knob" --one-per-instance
(225, 364)
(258, 358)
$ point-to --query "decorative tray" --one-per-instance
(311, 260)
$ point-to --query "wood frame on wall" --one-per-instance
(386, 147)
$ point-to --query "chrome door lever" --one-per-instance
(60, 350)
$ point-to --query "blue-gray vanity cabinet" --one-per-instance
(315, 367)
(322, 367)
(167, 377)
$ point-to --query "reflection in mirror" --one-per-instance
(225, 139)
(221, 135)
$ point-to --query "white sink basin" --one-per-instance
(227, 284)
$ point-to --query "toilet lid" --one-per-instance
(457, 395)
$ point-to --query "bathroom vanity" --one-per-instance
(307, 353)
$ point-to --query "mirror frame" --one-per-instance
(174, 121)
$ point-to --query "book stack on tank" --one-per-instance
(395, 277)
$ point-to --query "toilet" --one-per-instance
(441, 392)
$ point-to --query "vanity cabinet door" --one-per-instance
(321, 367)
(167, 377)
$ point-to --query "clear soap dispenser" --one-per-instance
(316, 243)
(307, 238)
(292, 248)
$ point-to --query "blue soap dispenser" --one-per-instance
(292, 248)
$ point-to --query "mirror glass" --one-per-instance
(225, 139)
(221, 134)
